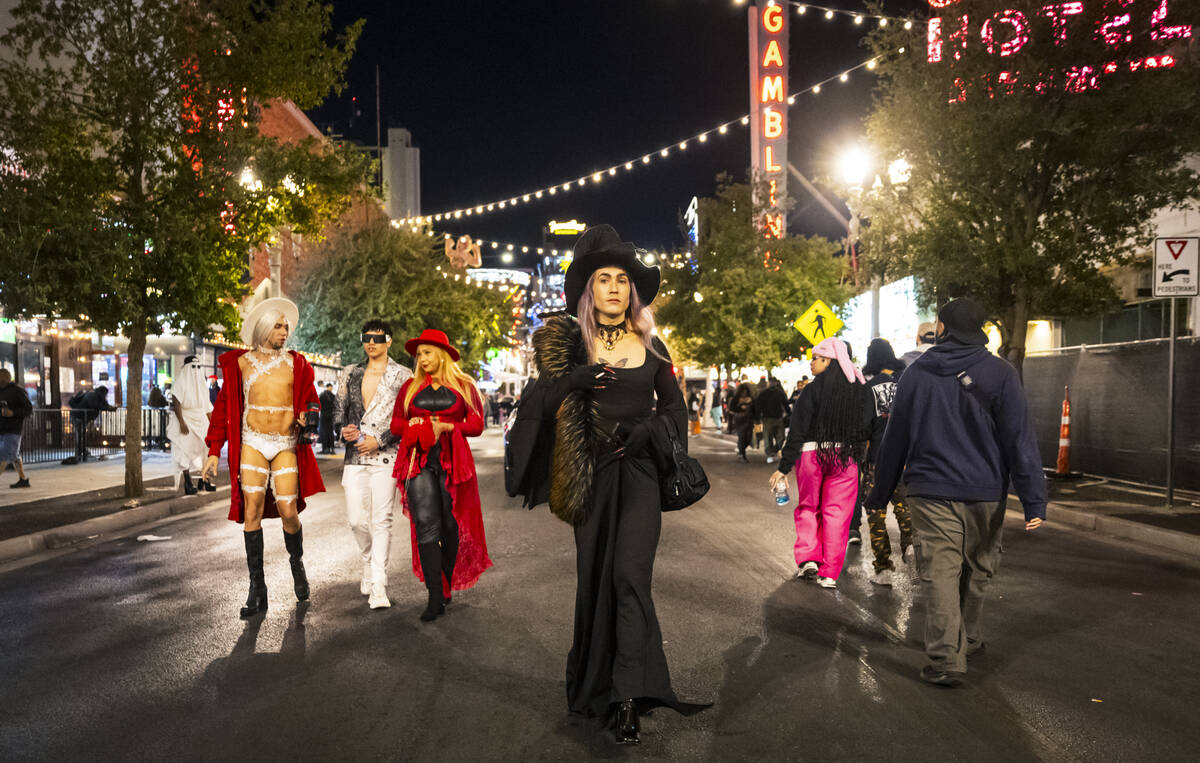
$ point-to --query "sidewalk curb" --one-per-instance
(58, 538)
(1120, 529)
(21, 546)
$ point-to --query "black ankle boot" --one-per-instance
(207, 486)
(256, 601)
(431, 567)
(188, 487)
(627, 723)
(295, 549)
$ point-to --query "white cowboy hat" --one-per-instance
(267, 306)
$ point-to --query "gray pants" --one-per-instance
(957, 545)
(772, 436)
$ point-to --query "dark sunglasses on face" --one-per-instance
(375, 338)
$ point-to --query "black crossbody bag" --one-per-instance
(687, 482)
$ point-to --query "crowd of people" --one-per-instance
(598, 436)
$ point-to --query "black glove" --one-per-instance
(590, 378)
(633, 439)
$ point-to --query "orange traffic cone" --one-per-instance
(1063, 468)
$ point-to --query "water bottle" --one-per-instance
(780, 491)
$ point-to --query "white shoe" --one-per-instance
(825, 582)
(770, 459)
(379, 599)
(883, 577)
(366, 585)
(907, 554)
(808, 571)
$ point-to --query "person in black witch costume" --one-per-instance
(611, 384)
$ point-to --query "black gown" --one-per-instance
(617, 649)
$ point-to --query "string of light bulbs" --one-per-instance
(858, 17)
(644, 159)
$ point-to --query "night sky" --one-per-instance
(503, 98)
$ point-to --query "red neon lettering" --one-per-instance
(774, 225)
(772, 18)
(772, 87)
(773, 57)
(769, 156)
(941, 3)
(1020, 28)
(933, 40)
(1160, 32)
(1080, 79)
(771, 195)
(1057, 14)
(1110, 28)
(772, 123)
(959, 92)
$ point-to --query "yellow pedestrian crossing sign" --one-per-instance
(818, 323)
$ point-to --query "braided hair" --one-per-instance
(842, 424)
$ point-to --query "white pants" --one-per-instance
(370, 498)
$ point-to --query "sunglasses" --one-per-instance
(376, 339)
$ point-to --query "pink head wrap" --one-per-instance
(835, 349)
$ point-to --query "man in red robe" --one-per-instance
(261, 407)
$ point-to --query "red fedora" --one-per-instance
(434, 337)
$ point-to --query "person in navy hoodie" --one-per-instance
(959, 432)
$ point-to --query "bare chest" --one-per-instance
(370, 385)
(626, 352)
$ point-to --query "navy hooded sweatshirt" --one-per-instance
(947, 443)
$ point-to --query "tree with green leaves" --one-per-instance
(724, 306)
(1039, 143)
(403, 278)
(138, 180)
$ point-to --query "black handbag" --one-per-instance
(687, 482)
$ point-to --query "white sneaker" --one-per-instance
(770, 459)
(883, 577)
(379, 599)
(808, 571)
(365, 586)
(907, 554)
(825, 582)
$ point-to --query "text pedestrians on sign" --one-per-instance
(818, 323)
(1176, 261)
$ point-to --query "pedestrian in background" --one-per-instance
(695, 404)
(14, 409)
(157, 399)
(187, 425)
(881, 371)
(214, 389)
(772, 408)
(926, 336)
(959, 432)
(715, 407)
(86, 407)
(831, 423)
(744, 414)
(325, 431)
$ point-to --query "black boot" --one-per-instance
(431, 567)
(449, 556)
(627, 723)
(295, 549)
(206, 485)
(256, 601)
(188, 487)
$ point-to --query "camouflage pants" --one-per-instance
(881, 544)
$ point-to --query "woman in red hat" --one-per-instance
(436, 410)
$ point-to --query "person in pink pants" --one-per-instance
(831, 423)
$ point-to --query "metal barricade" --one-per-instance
(56, 434)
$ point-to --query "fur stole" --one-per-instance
(558, 350)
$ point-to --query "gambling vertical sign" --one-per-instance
(769, 107)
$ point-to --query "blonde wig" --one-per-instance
(449, 374)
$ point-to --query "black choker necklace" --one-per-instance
(610, 335)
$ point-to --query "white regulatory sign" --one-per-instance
(1176, 261)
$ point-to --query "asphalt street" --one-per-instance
(132, 650)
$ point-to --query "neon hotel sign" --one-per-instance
(1007, 32)
(768, 107)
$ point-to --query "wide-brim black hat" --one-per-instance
(963, 320)
(599, 247)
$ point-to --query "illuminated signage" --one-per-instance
(569, 228)
(499, 275)
(1008, 31)
(768, 106)
(691, 218)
